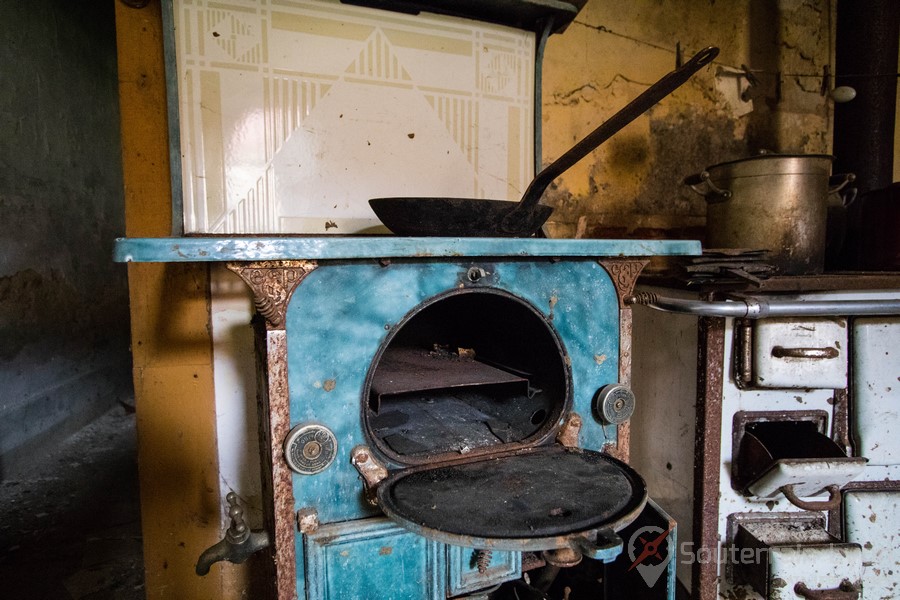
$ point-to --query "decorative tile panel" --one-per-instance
(294, 113)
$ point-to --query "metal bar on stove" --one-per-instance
(751, 307)
(410, 370)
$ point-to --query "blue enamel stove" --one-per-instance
(442, 415)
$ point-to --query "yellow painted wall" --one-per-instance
(171, 345)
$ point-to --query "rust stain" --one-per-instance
(385, 550)
(707, 448)
(278, 493)
(599, 359)
(325, 540)
(329, 385)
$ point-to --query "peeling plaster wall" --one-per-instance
(631, 186)
(63, 303)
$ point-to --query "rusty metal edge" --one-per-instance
(840, 433)
(707, 453)
(277, 484)
(624, 273)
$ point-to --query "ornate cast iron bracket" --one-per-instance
(273, 282)
(624, 273)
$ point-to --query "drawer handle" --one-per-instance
(834, 499)
(827, 352)
(845, 591)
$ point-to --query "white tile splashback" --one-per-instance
(293, 114)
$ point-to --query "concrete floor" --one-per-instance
(70, 529)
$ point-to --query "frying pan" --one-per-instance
(470, 217)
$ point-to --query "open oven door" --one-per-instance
(547, 498)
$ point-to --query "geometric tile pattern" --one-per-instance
(293, 113)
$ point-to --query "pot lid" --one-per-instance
(542, 498)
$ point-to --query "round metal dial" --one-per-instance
(614, 403)
(310, 449)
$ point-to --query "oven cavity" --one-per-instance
(467, 373)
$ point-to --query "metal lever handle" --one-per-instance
(712, 193)
(827, 352)
(669, 83)
(834, 499)
(845, 591)
(238, 544)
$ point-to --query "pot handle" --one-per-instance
(712, 192)
(838, 182)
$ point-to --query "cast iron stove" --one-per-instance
(434, 410)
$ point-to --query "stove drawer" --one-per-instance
(791, 555)
(467, 575)
(374, 558)
(795, 353)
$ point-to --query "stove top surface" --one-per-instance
(259, 248)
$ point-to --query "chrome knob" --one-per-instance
(614, 403)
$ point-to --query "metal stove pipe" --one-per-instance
(867, 47)
(751, 307)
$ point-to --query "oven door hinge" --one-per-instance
(372, 471)
(568, 433)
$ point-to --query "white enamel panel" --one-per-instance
(234, 378)
(809, 478)
(872, 520)
(876, 389)
(735, 399)
(820, 567)
(813, 334)
(294, 113)
(662, 449)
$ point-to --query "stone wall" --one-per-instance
(631, 186)
(63, 303)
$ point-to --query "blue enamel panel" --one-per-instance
(212, 249)
(340, 315)
(372, 559)
(464, 576)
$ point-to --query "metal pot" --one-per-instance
(775, 202)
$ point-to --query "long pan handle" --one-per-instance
(606, 130)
